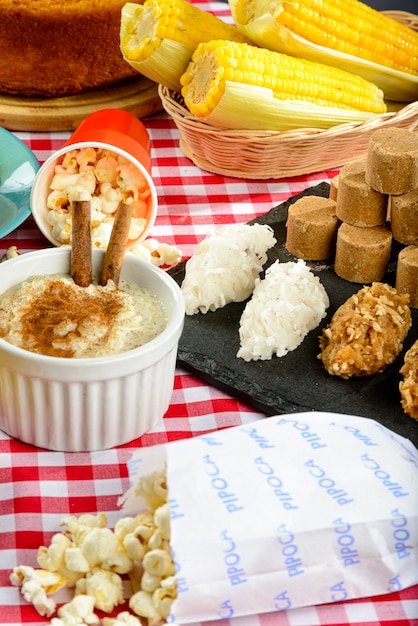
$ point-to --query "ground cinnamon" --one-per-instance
(115, 252)
(62, 315)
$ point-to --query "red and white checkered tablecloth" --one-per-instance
(38, 487)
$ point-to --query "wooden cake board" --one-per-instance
(139, 96)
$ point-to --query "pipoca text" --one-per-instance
(312, 438)
(220, 485)
(346, 542)
(382, 475)
(232, 560)
(328, 484)
(275, 483)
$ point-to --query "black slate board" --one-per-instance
(297, 381)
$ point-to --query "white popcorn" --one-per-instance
(85, 158)
(78, 612)
(106, 169)
(122, 619)
(164, 596)
(35, 585)
(60, 181)
(86, 184)
(98, 544)
(141, 252)
(78, 526)
(104, 586)
(57, 200)
(142, 604)
(134, 547)
(61, 225)
(162, 520)
(78, 193)
(100, 235)
(105, 179)
(137, 227)
(155, 541)
(10, 253)
(119, 561)
(153, 488)
(55, 557)
(136, 539)
(91, 558)
(132, 181)
(158, 562)
(75, 560)
(110, 198)
(156, 252)
(124, 526)
(162, 253)
(150, 582)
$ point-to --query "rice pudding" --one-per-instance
(53, 316)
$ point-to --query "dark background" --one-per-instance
(391, 5)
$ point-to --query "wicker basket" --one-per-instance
(271, 154)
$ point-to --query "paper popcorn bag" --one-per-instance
(294, 510)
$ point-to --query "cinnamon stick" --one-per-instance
(81, 257)
(113, 259)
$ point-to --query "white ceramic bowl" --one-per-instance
(93, 403)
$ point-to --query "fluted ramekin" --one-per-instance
(86, 404)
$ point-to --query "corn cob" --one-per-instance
(235, 85)
(344, 33)
(159, 37)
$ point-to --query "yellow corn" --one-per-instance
(235, 85)
(344, 33)
(159, 37)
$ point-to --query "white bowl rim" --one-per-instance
(175, 322)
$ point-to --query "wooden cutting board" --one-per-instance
(139, 96)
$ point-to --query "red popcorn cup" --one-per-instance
(115, 146)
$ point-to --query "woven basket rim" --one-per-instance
(172, 103)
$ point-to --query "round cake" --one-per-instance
(53, 48)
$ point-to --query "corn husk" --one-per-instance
(266, 32)
(156, 67)
(247, 107)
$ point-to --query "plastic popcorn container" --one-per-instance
(127, 139)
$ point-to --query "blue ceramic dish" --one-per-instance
(18, 167)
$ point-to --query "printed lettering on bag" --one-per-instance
(338, 592)
(282, 602)
(289, 550)
(394, 584)
(226, 610)
(313, 439)
(211, 440)
(328, 484)
(261, 440)
(175, 510)
(346, 543)
(366, 439)
(181, 580)
(228, 498)
(401, 535)
(394, 487)
(275, 483)
(232, 561)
